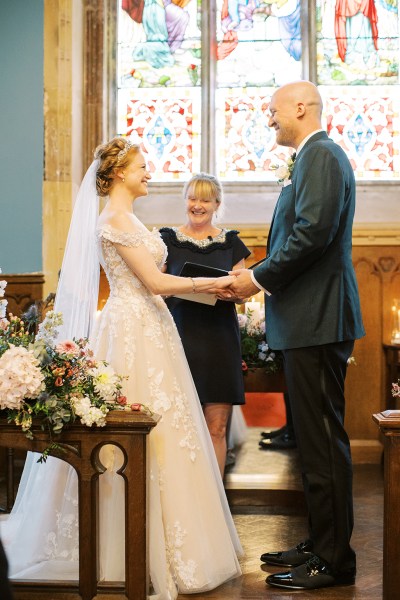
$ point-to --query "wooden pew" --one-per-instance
(129, 431)
(389, 425)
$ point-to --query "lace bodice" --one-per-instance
(122, 281)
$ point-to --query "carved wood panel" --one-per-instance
(378, 274)
(22, 291)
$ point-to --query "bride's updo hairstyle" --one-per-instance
(113, 155)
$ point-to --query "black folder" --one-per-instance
(191, 269)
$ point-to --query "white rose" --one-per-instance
(282, 172)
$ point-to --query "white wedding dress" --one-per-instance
(193, 543)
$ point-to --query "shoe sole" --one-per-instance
(302, 587)
(275, 564)
(273, 447)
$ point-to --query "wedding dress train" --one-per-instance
(193, 543)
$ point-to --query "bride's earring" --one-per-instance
(123, 180)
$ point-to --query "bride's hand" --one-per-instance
(224, 282)
(221, 288)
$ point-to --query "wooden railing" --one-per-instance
(389, 425)
(129, 431)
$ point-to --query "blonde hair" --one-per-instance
(112, 155)
(207, 186)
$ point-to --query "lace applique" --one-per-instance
(152, 240)
(185, 571)
(153, 331)
(130, 301)
(176, 402)
(125, 238)
(67, 528)
(183, 420)
(170, 330)
(161, 402)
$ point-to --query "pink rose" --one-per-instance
(136, 406)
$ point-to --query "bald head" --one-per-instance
(296, 110)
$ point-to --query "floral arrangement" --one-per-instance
(53, 382)
(255, 350)
(396, 389)
(284, 172)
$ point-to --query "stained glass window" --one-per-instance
(166, 126)
(246, 146)
(259, 43)
(258, 47)
(366, 123)
(357, 42)
(159, 62)
(164, 45)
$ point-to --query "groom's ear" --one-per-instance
(301, 109)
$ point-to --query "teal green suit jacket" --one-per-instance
(308, 270)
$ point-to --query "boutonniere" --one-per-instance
(284, 172)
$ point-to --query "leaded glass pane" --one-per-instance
(357, 42)
(367, 127)
(167, 127)
(246, 146)
(159, 43)
(258, 42)
(159, 58)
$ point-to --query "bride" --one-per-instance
(193, 544)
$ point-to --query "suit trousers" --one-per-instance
(315, 379)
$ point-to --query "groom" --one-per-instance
(313, 316)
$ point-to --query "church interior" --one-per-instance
(69, 83)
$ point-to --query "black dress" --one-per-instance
(210, 334)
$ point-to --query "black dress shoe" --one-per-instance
(280, 442)
(315, 573)
(272, 434)
(290, 558)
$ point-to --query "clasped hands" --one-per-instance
(237, 289)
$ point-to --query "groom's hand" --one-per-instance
(243, 286)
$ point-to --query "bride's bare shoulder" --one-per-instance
(118, 219)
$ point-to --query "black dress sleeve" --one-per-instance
(240, 250)
(166, 234)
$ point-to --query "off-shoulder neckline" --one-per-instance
(100, 228)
